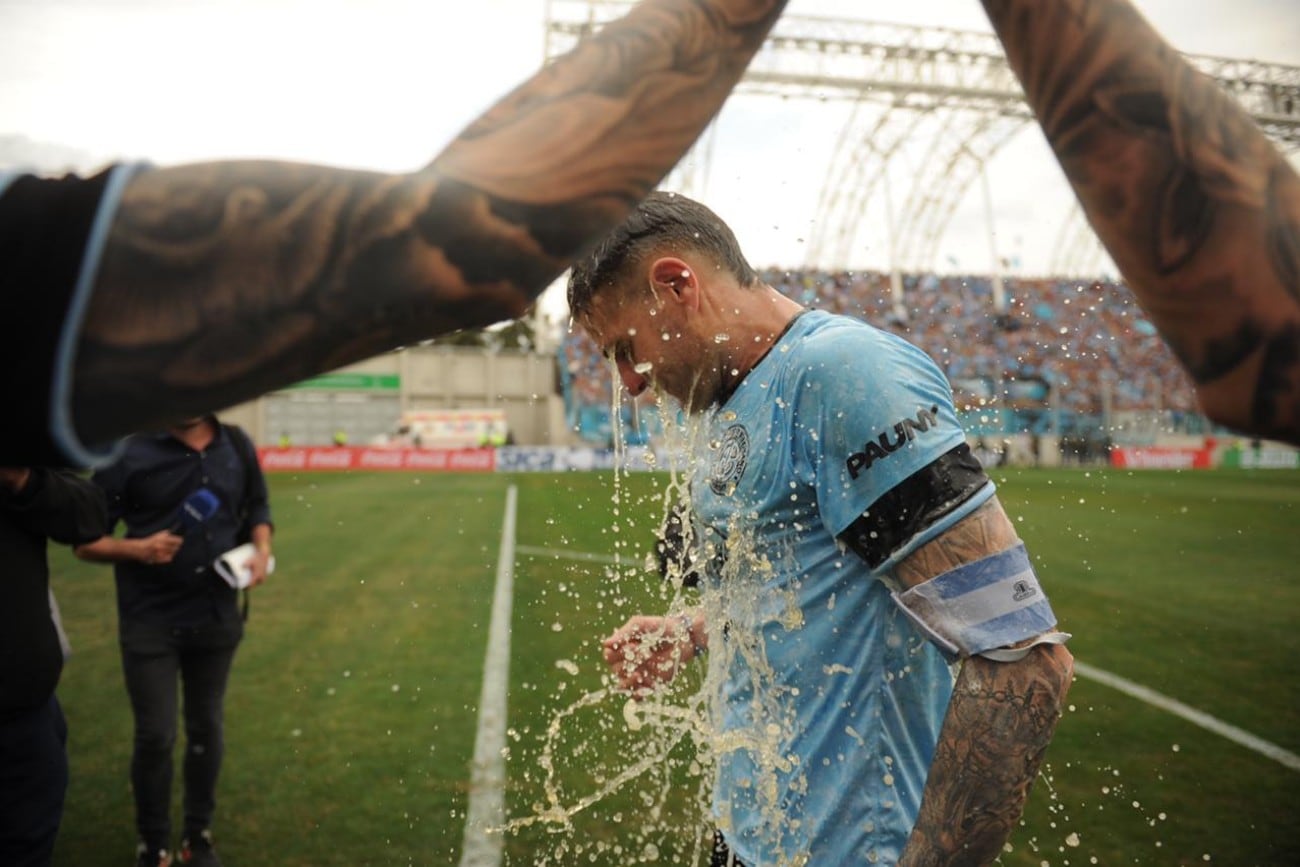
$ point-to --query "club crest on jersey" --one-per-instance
(730, 461)
(890, 441)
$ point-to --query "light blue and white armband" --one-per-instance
(982, 608)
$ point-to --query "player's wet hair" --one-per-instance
(665, 224)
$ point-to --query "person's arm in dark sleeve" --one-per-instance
(257, 500)
(54, 503)
(1199, 210)
(223, 281)
(257, 511)
(155, 549)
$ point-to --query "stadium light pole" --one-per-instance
(1107, 406)
(995, 265)
(895, 275)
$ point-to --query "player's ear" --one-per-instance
(673, 279)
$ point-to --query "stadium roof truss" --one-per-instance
(947, 95)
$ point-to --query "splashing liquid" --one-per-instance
(684, 726)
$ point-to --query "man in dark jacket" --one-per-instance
(36, 504)
(179, 621)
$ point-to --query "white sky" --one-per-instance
(383, 84)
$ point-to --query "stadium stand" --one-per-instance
(1066, 357)
(585, 382)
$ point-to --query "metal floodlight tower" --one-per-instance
(947, 95)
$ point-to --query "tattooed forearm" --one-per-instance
(223, 281)
(227, 280)
(677, 60)
(999, 721)
(999, 724)
(1198, 209)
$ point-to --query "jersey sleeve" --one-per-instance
(52, 232)
(871, 411)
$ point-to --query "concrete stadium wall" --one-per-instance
(429, 377)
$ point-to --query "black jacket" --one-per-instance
(54, 504)
(44, 227)
(145, 488)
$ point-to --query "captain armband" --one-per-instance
(981, 608)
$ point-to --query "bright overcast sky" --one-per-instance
(383, 84)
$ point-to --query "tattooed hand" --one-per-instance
(1197, 208)
(223, 281)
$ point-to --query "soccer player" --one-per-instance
(851, 547)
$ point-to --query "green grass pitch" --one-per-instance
(352, 709)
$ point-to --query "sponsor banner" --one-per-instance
(1267, 458)
(512, 459)
(312, 459)
(351, 382)
(1161, 458)
(550, 459)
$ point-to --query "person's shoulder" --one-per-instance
(136, 452)
(826, 339)
(26, 186)
(238, 437)
(148, 441)
(241, 442)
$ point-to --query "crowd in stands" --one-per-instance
(1079, 347)
(586, 379)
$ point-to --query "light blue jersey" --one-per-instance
(830, 702)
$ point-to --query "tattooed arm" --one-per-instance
(998, 725)
(222, 281)
(1198, 209)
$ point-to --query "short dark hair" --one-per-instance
(662, 219)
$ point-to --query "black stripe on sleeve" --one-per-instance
(915, 503)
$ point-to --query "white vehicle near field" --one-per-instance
(448, 429)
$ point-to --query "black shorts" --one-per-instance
(721, 855)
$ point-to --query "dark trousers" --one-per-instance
(154, 659)
(33, 782)
(721, 855)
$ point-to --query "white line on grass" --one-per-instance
(560, 554)
(1136, 690)
(482, 846)
(1191, 714)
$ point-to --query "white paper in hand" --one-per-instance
(233, 566)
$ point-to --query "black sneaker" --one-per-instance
(196, 850)
(147, 857)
